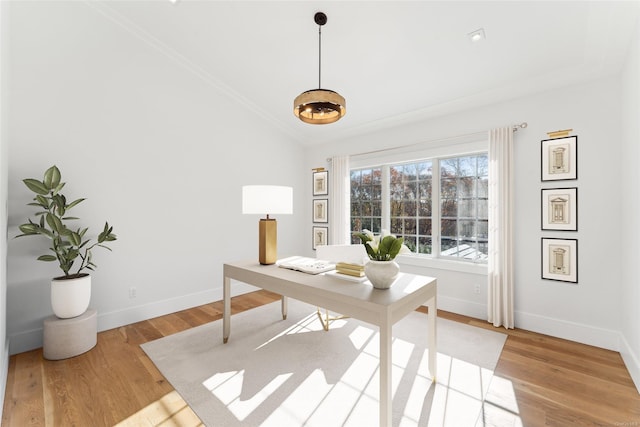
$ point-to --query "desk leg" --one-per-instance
(284, 307)
(385, 375)
(433, 338)
(226, 310)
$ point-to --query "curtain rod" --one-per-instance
(515, 128)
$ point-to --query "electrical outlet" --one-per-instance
(476, 288)
(133, 292)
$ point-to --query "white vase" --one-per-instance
(70, 297)
(381, 274)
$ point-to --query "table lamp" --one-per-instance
(267, 200)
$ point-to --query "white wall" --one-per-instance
(630, 295)
(4, 166)
(589, 311)
(159, 152)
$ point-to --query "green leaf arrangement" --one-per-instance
(67, 244)
(384, 247)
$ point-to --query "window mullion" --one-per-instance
(435, 208)
(386, 203)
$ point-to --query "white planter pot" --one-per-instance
(70, 297)
(381, 274)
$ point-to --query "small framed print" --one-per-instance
(320, 183)
(320, 236)
(560, 209)
(560, 259)
(320, 210)
(560, 158)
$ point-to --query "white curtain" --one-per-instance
(500, 263)
(339, 200)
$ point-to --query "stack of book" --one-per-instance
(356, 270)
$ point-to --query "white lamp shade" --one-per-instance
(267, 199)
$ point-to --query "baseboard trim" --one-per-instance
(585, 334)
(4, 374)
(631, 361)
(572, 331)
(464, 307)
(32, 339)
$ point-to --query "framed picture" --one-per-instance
(560, 209)
(320, 183)
(320, 235)
(560, 158)
(560, 259)
(320, 213)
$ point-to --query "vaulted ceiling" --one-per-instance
(395, 62)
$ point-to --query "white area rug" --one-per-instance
(288, 373)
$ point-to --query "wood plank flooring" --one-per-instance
(539, 380)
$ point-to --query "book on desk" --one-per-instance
(306, 264)
(339, 260)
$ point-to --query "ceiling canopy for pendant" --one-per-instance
(319, 106)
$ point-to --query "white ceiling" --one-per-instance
(393, 61)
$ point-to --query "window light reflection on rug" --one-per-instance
(267, 200)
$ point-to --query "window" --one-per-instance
(439, 205)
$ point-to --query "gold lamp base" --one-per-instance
(268, 241)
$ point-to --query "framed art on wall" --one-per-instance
(320, 212)
(560, 209)
(559, 158)
(560, 259)
(320, 183)
(320, 236)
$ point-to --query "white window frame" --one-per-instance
(435, 152)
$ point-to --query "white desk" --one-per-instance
(361, 301)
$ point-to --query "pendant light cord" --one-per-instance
(319, 55)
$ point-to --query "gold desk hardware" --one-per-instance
(327, 320)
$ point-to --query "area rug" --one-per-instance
(288, 373)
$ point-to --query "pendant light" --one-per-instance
(319, 106)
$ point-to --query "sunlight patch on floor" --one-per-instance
(227, 387)
(500, 406)
(168, 411)
(455, 399)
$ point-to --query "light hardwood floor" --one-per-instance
(539, 380)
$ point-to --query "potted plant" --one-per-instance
(71, 292)
(382, 270)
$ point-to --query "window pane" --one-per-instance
(409, 226)
(356, 210)
(467, 229)
(425, 227)
(483, 187)
(410, 242)
(467, 208)
(467, 167)
(425, 208)
(467, 187)
(425, 245)
(449, 228)
(396, 226)
(448, 247)
(449, 208)
(464, 207)
(448, 168)
(448, 188)
(366, 196)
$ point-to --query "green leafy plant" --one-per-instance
(67, 244)
(383, 247)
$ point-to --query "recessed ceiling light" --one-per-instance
(477, 35)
